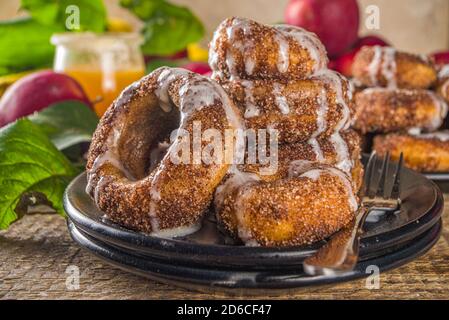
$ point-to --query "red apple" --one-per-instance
(335, 22)
(198, 67)
(36, 91)
(343, 63)
(441, 57)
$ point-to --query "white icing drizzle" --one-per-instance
(283, 53)
(297, 167)
(307, 40)
(195, 93)
(251, 109)
(311, 170)
(441, 107)
(373, 67)
(335, 82)
(414, 131)
(444, 72)
(313, 142)
(389, 66)
(280, 99)
(384, 61)
(314, 175)
(439, 135)
(236, 180)
(245, 47)
(321, 124)
(176, 232)
(166, 77)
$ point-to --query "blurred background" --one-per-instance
(420, 26)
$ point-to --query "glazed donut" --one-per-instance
(323, 150)
(388, 110)
(163, 198)
(298, 109)
(427, 152)
(306, 200)
(384, 66)
(308, 206)
(245, 49)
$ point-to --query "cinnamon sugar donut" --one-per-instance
(386, 67)
(298, 109)
(162, 198)
(246, 49)
(311, 195)
(315, 201)
(388, 110)
(428, 152)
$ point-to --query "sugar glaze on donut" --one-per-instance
(297, 161)
(386, 67)
(166, 199)
(244, 49)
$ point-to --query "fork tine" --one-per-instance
(396, 190)
(369, 190)
(381, 188)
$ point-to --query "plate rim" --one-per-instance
(430, 218)
(182, 247)
(424, 244)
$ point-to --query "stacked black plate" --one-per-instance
(207, 261)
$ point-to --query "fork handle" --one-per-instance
(341, 252)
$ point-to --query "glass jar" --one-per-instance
(104, 64)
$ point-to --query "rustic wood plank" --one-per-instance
(35, 252)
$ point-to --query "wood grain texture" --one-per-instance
(35, 252)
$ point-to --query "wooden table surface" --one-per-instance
(35, 254)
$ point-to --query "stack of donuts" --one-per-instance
(396, 102)
(277, 77)
(266, 78)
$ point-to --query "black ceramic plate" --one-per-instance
(421, 207)
(245, 281)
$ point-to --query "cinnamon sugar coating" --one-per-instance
(287, 208)
(384, 66)
(247, 49)
(388, 110)
(424, 153)
(120, 177)
(293, 107)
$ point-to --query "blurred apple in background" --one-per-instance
(336, 22)
(36, 91)
(343, 63)
(441, 57)
(198, 67)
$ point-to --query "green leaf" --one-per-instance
(29, 164)
(143, 9)
(168, 28)
(25, 44)
(66, 123)
(157, 63)
(92, 13)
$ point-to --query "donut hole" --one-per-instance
(145, 135)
